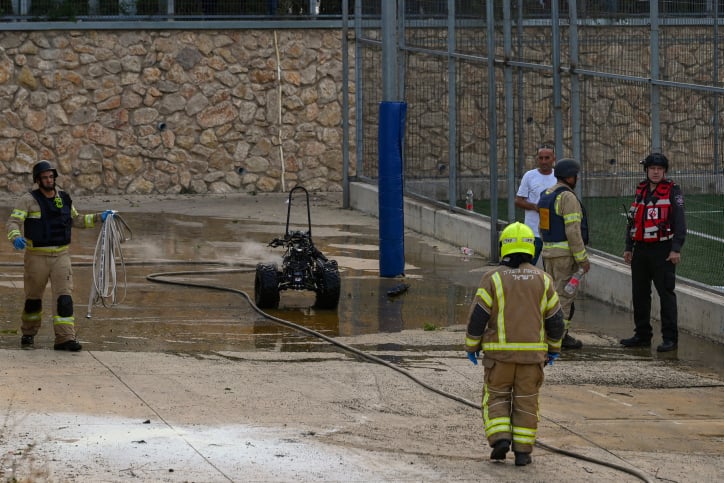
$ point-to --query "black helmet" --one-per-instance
(41, 167)
(566, 168)
(656, 159)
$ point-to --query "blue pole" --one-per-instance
(390, 189)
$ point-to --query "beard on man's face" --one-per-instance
(47, 184)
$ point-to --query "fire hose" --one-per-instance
(108, 253)
(158, 277)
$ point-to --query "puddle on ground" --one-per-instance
(224, 252)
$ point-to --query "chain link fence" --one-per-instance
(605, 82)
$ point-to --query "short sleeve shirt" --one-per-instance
(532, 185)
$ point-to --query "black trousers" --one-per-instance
(649, 265)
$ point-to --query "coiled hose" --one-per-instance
(114, 231)
(158, 277)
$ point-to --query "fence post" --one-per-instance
(655, 76)
(493, 132)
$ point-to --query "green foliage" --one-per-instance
(429, 326)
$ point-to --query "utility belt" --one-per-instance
(47, 251)
(653, 245)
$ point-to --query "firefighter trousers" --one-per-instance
(510, 403)
(561, 269)
(39, 269)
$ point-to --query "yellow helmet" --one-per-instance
(517, 238)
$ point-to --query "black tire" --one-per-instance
(266, 287)
(328, 286)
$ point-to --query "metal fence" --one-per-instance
(606, 82)
(115, 10)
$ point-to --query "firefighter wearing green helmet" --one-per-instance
(40, 223)
(517, 321)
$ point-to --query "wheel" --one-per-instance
(266, 287)
(328, 286)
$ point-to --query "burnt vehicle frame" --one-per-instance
(303, 267)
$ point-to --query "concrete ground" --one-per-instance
(173, 408)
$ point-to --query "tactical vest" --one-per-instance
(552, 226)
(652, 219)
(55, 222)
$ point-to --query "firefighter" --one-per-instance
(656, 234)
(517, 321)
(41, 224)
(564, 229)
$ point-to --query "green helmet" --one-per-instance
(517, 238)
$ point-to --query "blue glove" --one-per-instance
(19, 243)
(473, 356)
(105, 214)
(551, 357)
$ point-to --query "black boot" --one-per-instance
(667, 346)
(500, 449)
(570, 342)
(636, 341)
(69, 345)
(27, 341)
(522, 459)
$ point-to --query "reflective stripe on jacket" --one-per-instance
(27, 207)
(552, 225)
(516, 329)
(652, 219)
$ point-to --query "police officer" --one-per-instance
(564, 229)
(656, 233)
(517, 321)
(41, 224)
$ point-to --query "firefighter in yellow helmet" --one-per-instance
(517, 321)
(41, 225)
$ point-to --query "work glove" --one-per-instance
(19, 243)
(473, 356)
(105, 214)
(552, 356)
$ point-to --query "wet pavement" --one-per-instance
(223, 251)
(180, 383)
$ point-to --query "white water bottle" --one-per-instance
(572, 284)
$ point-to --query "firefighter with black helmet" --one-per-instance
(564, 230)
(40, 223)
(517, 321)
(654, 238)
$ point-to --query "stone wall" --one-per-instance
(217, 111)
(172, 111)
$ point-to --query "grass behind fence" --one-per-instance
(702, 258)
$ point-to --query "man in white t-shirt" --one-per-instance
(533, 183)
